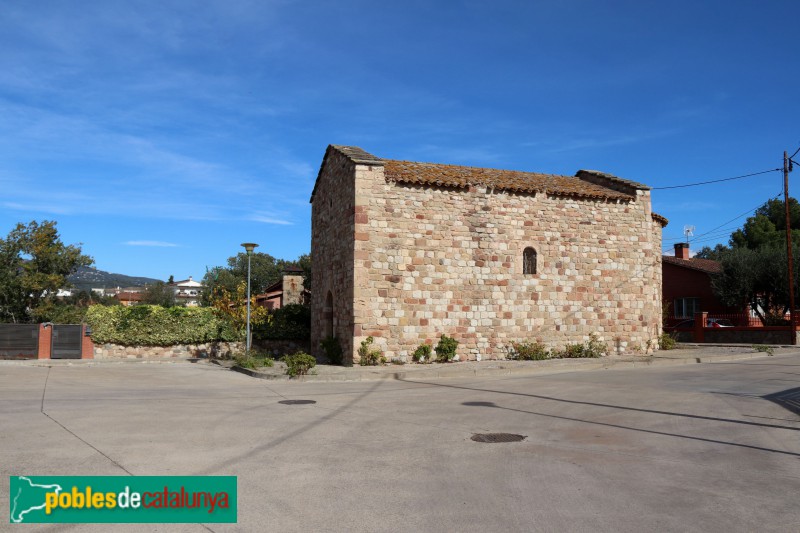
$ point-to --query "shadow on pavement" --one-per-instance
(611, 406)
(629, 428)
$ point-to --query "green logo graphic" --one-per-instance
(122, 499)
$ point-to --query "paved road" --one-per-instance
(689, 448)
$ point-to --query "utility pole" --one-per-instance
(793, 333)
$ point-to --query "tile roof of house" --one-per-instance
(130, 296)
(586, 183)
(704, 265)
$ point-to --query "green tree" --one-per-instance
(767, 226)
(232, 307)
(159, 293)
(304, 262)
(70, 310)
(756, 278)
(34, 264)
(264, 271)
(716, 253)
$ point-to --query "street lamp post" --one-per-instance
(249, 247)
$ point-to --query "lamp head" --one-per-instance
(249, 247)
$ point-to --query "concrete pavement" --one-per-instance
(689, 447)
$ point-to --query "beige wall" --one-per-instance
(449, 261)
(430, 260)
(292, 290)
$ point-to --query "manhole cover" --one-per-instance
(497, 437)
(296, 402)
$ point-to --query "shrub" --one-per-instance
(571, 351)
(298, 364)
(333, 350)
(594, 347)
(254, 360)
(292, 321)
(59, 313)
(667, 341)
(528, 351)
(422, 354)
(152, 325)
(763, 348)
(446, 349)
(369, 356)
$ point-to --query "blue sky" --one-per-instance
(163, 134)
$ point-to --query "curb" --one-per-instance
(533, 369)
(255, 374)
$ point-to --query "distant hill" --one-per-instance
(91, 278)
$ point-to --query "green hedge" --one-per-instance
(153, 325)
(290, 322)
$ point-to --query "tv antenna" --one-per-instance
(689, 232)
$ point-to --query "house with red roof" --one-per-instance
(686, 288)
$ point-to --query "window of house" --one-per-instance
(529, 261)
(686, 307)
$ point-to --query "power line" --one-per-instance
(708, 237)
(719, 180)
(707, 234)
(738, 217)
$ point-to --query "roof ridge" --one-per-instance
(357, 154)
(612, 178)
(711, 266)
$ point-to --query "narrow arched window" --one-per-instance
(529, 261)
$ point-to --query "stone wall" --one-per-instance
(292, 290)
(217, 349)
(433, 260)
(333, 216)
(220, 349)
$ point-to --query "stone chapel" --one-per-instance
(405, 251)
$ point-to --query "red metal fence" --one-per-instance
(735, 319)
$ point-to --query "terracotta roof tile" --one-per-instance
(509, 180)
(661, 220)
(705, 265)
(586, 184)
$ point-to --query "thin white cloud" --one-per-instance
(159, 244)
(268, 220)
(38, 208)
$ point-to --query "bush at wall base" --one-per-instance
(298, 364)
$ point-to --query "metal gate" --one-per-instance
(19, 340)
(66, 342)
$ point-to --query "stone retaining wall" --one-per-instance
(215, 349)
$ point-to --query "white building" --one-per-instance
(187, 292)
